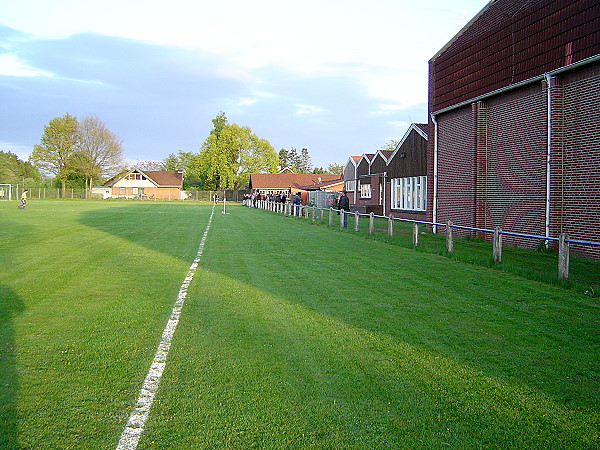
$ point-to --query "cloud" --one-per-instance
(308, 109)
(11, 66)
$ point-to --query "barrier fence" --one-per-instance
(8, 192)
(315, 213)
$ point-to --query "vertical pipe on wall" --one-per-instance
(435, 172)
(548, 154)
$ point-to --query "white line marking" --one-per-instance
(137, 420)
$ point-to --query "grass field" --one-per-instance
(292, 336)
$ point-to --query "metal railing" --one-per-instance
(318, 213)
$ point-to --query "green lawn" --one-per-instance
(293, 335)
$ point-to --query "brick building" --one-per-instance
(515, 124)
(391, 182)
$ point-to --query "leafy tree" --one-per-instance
(230, 153)
(304, 162)
(297, 162)
(13, 170)
(283, 159)
(335, 168)
(58, 142)
(99, 151)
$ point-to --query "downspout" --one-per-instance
(548, 155)
(435, 172)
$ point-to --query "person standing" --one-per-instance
(23, 199)
(344, 206)
(296, 202)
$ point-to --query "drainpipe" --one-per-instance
(548, 155)
(435, 172)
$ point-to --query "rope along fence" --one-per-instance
(319, 214)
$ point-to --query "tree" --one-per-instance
(335, 168)
(304, 162)
(283, 159)
(230, 153)
(390, 145)
(13, 170)
(58, 142)
(299, 163)
(99, 151)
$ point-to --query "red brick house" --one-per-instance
(515, 123)
(135, 183)
(288, 182)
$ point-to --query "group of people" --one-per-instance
(252, 199)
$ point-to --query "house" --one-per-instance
(287, 182)
(513, 104)
(391, 182)
(158, 184)
(350, 177)
(364, 198)
(407, 175)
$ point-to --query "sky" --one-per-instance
(337, 77)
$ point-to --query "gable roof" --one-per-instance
(420, 128)
(284, 181)
(161, 178)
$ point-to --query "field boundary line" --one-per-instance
(138, 417)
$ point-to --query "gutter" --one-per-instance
(435, 171)
(548, 155)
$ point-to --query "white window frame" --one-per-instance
(410, 193)
(350, 185)
(365, 190)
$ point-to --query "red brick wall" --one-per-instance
(581, 195)
(516, 163)
(492, 161)
(456, 168)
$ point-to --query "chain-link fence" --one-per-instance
(8, 192)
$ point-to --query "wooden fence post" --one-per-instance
(497, 246)
(314, 212)
(390, 227)
(371, 223)
(415, 234)
(563, 257)
(341, 218)
(330, 216)
(449, 240)
(356, 224)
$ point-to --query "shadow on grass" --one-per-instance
(170, 228)
(10, 306)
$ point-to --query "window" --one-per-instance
(409, 193)
(136, 176)
(365, 190)
(350, 185)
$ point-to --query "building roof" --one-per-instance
(161, 178)
(284, 181)
(323, 185)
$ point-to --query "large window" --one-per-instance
(365, 190)
(409, 193)
(350, 185)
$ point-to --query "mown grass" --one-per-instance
(295, 337)
(86, 288)
(538, 265)
(292, 336)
